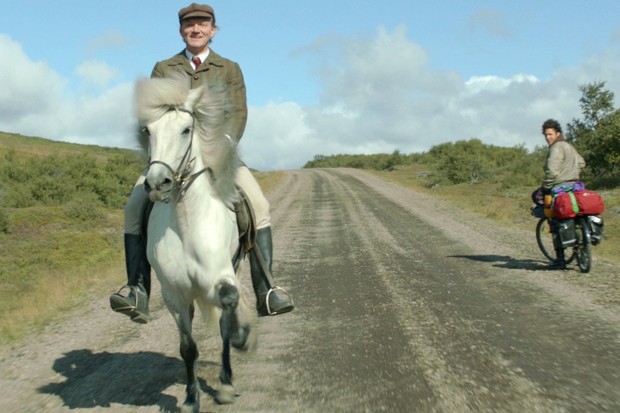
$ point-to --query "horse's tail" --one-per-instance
(247, 312)
(211, 315)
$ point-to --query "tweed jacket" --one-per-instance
(563, 164)
(220, 75)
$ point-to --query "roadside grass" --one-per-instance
(506, 207)
(49, 262)
(268, 181)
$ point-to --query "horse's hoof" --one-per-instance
(190, 408)
(226, 394)
(245, 339)
(191, 405)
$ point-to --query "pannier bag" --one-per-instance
(566, 232)
(596, 229)
(571, 204)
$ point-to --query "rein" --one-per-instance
(183, 177)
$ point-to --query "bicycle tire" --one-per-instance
(583, 249)
(544, 239)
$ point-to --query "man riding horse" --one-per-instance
(201, 66)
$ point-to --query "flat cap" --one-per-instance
(196, 10)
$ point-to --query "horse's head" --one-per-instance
(170, 150)
(181, 125)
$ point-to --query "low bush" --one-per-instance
(85, 207)
(4, 222)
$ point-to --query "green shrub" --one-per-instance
(85, 207)
(454, 163)
(53, 180)
(17, 196)
(4, 222)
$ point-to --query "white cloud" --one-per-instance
(481, 84)
(36, 101)
(277, 136)
(109, 40)
(28, 87)
(97, 73)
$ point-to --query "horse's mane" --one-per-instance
(157, 96)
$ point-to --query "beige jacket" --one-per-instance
(563, 164)
(219, 74)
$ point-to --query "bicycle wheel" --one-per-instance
(544, 238)
(583, 249)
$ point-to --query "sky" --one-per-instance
(324, 77)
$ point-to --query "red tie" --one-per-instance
(196, 62)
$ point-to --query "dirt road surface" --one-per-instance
(404, 304)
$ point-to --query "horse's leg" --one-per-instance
(189, 353)
(229, 299)
(237, 328)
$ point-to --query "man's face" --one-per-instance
(197, 32)
(551, 135)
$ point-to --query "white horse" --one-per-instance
(192, 232)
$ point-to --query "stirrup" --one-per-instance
(267, 306)
(119, 301)
(138, 311)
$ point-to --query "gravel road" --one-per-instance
(404, 304)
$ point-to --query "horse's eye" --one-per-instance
(145, 131)
(187, 131)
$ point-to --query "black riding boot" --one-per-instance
(559, 263)
(133, 298)
(270, 299)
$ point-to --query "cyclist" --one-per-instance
(562, 165)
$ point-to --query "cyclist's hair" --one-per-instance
(552, 124)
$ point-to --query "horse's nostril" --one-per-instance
(166, 184)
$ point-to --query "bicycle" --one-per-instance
(581, 233)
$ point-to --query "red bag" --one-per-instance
(570, 204)
(589, 202)
(565, 206)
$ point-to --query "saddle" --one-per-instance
(246, 225)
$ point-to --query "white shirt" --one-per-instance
(202, 57)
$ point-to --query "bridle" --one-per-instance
(182, 176)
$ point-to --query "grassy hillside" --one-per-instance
(32, 146)
(58, 238)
